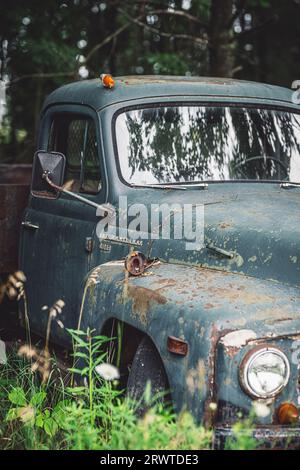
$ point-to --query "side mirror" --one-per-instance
(51, 164)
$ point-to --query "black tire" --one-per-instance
(147, 367)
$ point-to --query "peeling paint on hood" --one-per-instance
(237, 339)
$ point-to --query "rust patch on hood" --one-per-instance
(209, 306)
(224, 225)
(142, 299)
(239, 294)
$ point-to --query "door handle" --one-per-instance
(27, 224)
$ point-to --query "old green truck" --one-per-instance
(215, 320)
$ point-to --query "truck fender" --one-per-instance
(155, 305)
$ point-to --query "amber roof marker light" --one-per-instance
(107, 80)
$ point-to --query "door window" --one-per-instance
(75, 137)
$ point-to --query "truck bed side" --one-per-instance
(14, 193)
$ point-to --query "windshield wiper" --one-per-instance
(288, 185)
(158, 186)
(172, 186)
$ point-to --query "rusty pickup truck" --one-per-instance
(215, 319)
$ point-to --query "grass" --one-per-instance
(95, 416)
(43, 408)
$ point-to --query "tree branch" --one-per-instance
(181, 13)
(41, 75)
(137, 21)
(106, 40)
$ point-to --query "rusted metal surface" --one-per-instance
(172, 301)
(177, 346)
(13, 200)
(272, 438)
(142, 299)
(135, 263)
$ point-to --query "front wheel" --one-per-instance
(147, 367)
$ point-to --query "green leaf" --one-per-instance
(61, 405)
(17, 397)
(79, 341)
(38, 399)
(77, 332)
(76, 390)
(50, 426)
(12, 414)
(99, 360)
(97, 348)
(39, 420)
(81, 354)
(59, 413)
(79, 371)
(103, 339)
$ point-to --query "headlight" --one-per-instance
(264, 372)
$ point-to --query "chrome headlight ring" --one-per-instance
(264, 372)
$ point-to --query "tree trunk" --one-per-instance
(221, 47)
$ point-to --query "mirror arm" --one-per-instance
(45, 176)
(104, 207)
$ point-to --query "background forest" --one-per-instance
(44, 44)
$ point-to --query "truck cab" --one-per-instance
(215, 323)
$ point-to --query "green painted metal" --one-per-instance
(197, 296)
(92, 93)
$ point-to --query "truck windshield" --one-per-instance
(163, 145)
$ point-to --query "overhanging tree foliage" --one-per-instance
(45, 44)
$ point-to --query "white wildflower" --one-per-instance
(107, 372)
(261, 410)
(213, 406)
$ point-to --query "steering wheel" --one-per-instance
(261, 157)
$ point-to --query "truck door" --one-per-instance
(57, 232)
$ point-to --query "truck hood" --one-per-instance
(200, 303)
(256, 225)
(219, 302)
